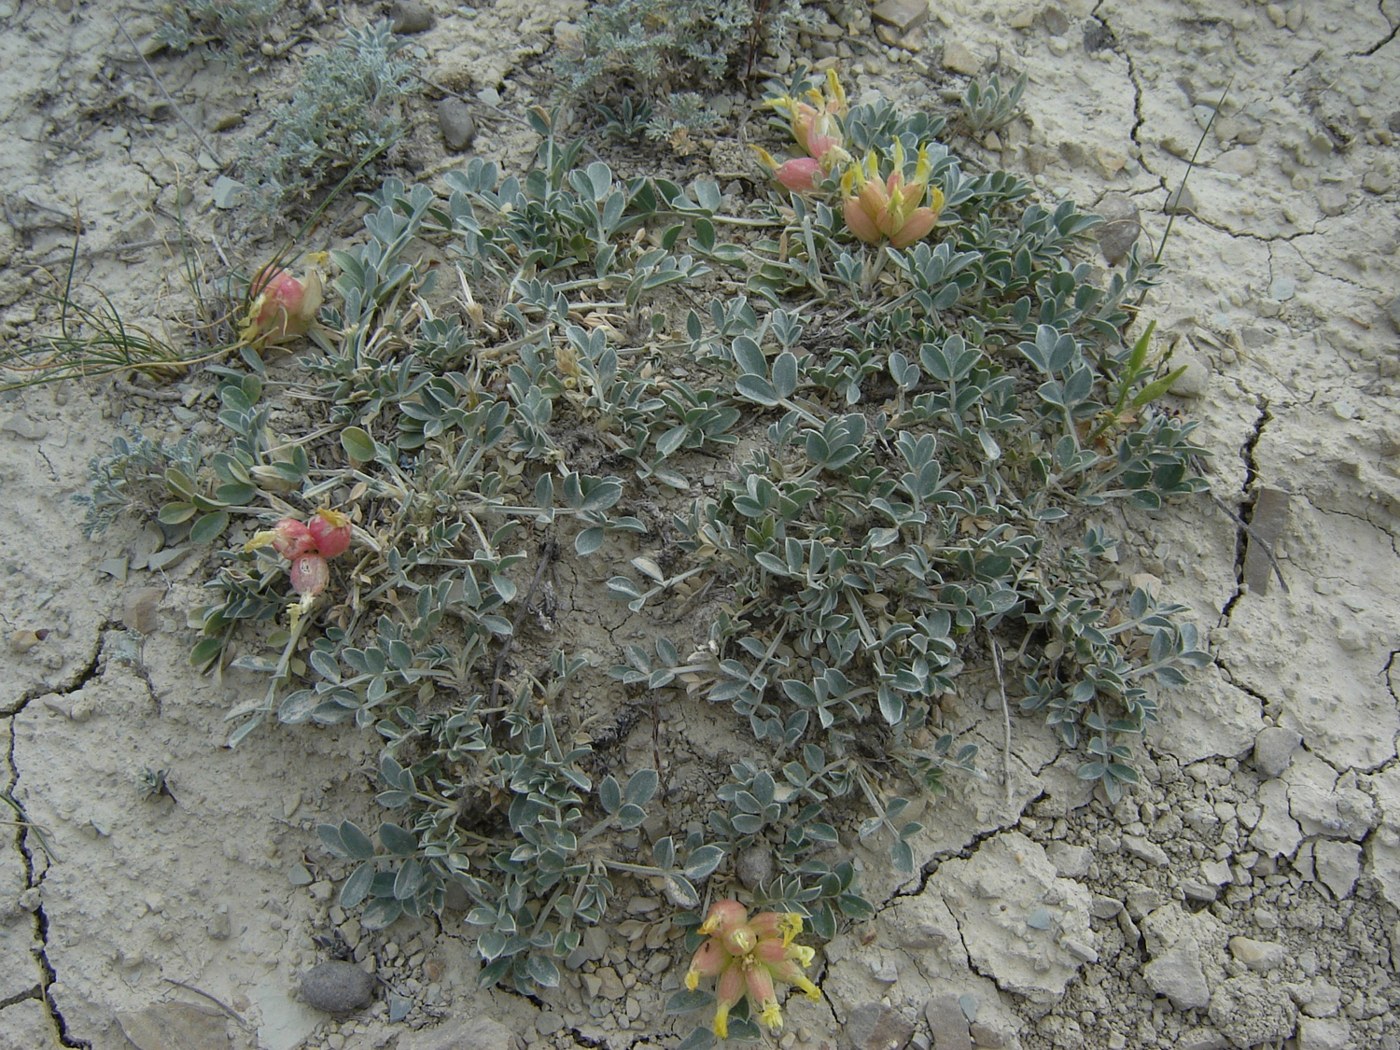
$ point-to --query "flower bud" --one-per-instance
(331, 531)
(310, 574)
(709, 960)
(740, 940)
(729, 991)
(763, 999)
(289, 538)
(722, 917)
(281, 307)
(776, 924)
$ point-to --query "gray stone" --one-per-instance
(1054, 21)
(1177, 943)
(410, 16)
(1318, 1034)
(1318, 998)
(21, 426)
(1120, 229)
(1337, 866)
(1145, 850)
(1194, 380)
(1259, 956)
(336, 987)
(1104, 907)
(874, 1026)
(948, 1023)
(958, 59)
(1198, 891)
(457, 124)
(1274, 747)
(754, 866)
(902, 15)
(1071, 862)
(175, 1026)
(1181, 201)
(1177, 974)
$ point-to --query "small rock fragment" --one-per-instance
(754, 866)
(947, 1023)
(141, 610)
(21, 426)
(1337, 866)
(1177, 974)
(1145, 850)
(1120, 229)
(410, 16)
(1194, 381)
(1259, 956)
(1318, 1034)
(457, 124)
(1071, 862)
(875, 1026)
(1181, 201)
(1274, 745)
(958, 59)
(336, 987)
(173, 1025)
(903, 15)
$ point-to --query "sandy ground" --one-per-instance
(1246, 896)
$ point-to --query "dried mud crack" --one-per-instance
(34, 880)
(1247, 501)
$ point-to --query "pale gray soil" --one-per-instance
(1245, 896)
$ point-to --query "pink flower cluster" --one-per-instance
(897, 206)
(307, 546)
(750, 957)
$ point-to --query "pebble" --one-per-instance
(1181, 201)
(21, 426)
(1071, 862)
(1194, 382)
(1177, 974)
(875, 1026)
(754, 866)
(1120, 229)
(958, 59)
(947, 1022)
(609, 983)
(409, 16)
(457, 124)
(336, 987)
(1337, 866)
(1274, 747)
(902, 15)
(1145, 850)
(1259, 956)
(1319, 1034)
